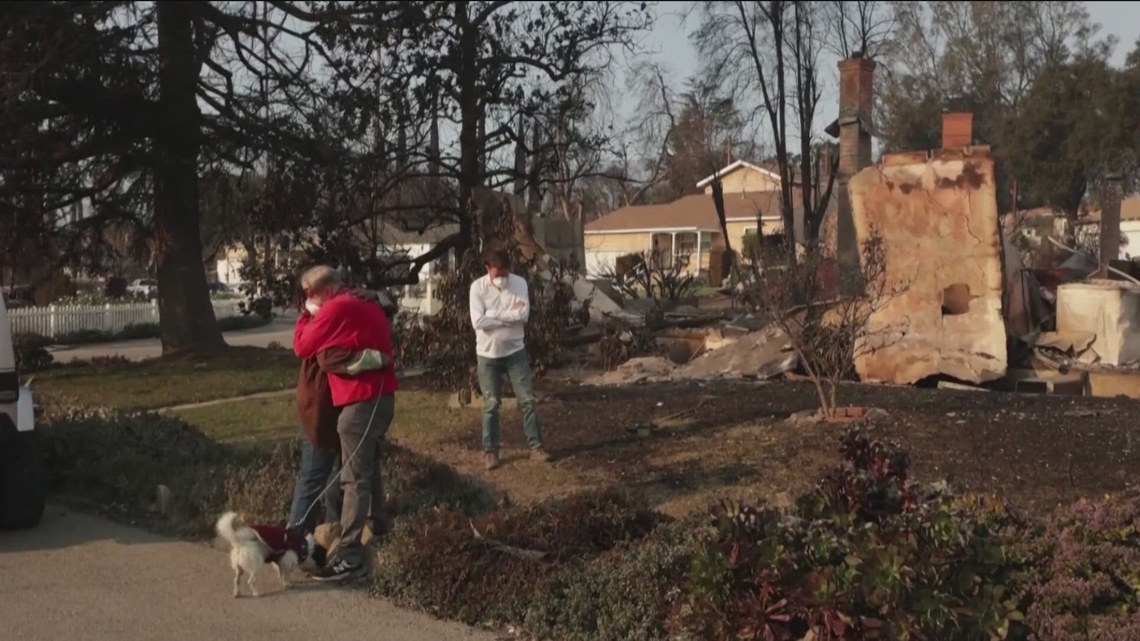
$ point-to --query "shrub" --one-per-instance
(237, 323)
(415, 483)
(1085, 581)
(257, 307)
(116, 287)
(118, 459)
(439, 563)
(868, 554)
(261, 485)
(132, 332)
(625, 594)
(31, 352)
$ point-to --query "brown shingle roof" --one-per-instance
(689, 212)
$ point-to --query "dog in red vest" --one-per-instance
(252, 547)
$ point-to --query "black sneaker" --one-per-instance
(339, 570)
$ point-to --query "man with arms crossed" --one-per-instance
(500, 307)
(334, 318)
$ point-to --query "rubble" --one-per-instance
(759, 355)
(648, 369)
(762, 355)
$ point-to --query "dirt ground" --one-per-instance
(726, 439)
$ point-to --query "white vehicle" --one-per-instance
(23, 477)
(143, 287)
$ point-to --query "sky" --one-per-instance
(669, 44)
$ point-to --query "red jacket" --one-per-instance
(347, 322)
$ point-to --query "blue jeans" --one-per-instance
(491, 372)
(318, 469)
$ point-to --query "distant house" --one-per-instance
(687, 228)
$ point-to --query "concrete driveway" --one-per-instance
(279, 331)
(81, 577)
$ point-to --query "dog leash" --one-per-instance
(336, 479)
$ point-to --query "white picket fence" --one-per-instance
(57, 320)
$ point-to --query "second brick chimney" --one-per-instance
(856, 102)
(957, 130)
(856, 105)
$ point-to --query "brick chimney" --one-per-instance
(856, 105)
(1110, 197)
(856, 101)
(957, 130)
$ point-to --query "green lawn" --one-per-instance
(165, 382)
(419, 415)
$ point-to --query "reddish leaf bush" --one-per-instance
(867, 554)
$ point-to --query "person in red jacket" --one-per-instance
(334, 318)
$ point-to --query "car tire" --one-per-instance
(23, 485)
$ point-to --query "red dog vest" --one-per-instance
(279, 541)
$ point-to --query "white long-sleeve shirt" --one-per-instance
(499, 330)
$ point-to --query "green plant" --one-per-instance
(867, 554)
(625, 594)
(31, 353)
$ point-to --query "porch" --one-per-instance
(689, 248)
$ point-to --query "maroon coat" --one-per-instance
(314, 398)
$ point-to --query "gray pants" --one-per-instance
(360, 474)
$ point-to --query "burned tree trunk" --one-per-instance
(188, 322)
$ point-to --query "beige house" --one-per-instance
(688, 227)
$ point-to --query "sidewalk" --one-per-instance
(82, 577)
(279, 331)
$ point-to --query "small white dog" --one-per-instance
(252, 547)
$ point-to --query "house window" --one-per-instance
(706, 242)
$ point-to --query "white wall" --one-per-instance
(1130, 239)
(599, 262)
(229, 271)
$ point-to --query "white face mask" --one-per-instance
(500, 282)
(312, 307)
